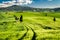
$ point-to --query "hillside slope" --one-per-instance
(27, 8)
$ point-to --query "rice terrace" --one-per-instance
(29, 19)
(34, 26)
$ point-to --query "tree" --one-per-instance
(21, 18)
(54, 19)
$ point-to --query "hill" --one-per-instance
(27, 8)
(16, 8)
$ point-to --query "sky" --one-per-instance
(31, 3)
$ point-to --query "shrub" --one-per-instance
(16, 18)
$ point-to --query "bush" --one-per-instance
(16, 18)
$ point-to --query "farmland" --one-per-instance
(35, 26)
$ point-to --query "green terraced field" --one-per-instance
(35, 26)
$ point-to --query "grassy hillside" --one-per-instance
(35, 26)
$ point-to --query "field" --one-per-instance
(35, 26)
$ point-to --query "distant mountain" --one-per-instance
(26, 8)
(56, 9)
(17, 8)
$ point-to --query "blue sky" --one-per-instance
(4, 0)
(46, 3)
(42, 3)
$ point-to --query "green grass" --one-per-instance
(35, 26)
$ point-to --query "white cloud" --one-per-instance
(22, 2)
(14, 2)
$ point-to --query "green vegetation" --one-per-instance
(35, 26)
